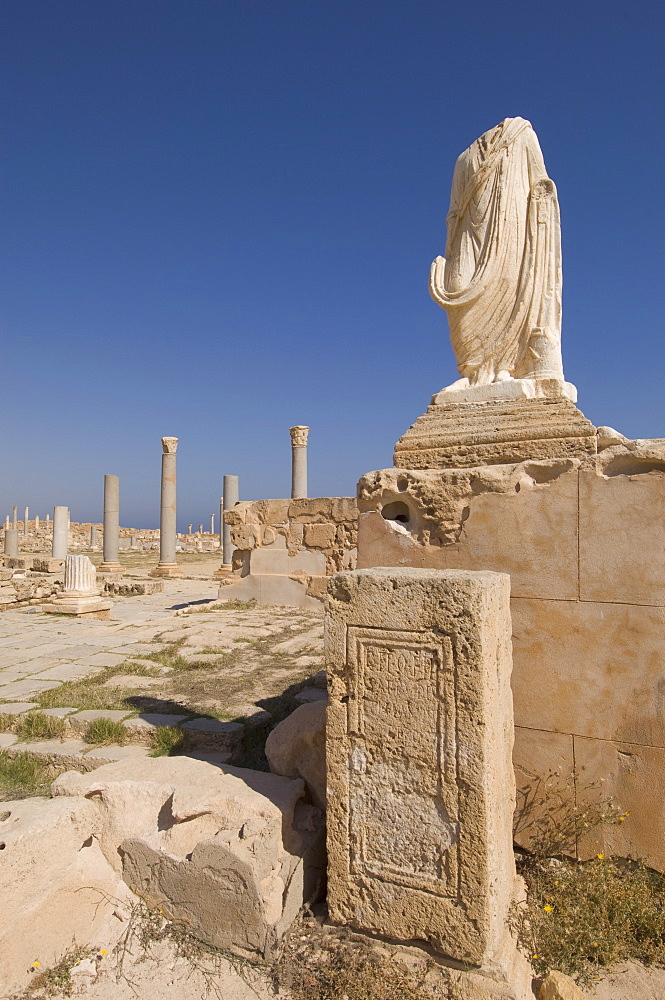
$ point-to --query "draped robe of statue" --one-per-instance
(500, 280)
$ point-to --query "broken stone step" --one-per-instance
(211, 734)
(141, 727)
(310, 694)
(74, 754)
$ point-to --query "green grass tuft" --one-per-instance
(38, 726)
(165, 740)
(104, 731)
(6, 722)
(23, 775)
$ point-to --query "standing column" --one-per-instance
(15, 518)
(26, 514)
(60, 532)
(229, 500)
(11, 541)
(221, 523)
(110, 562)
(36, 524)
(7, 521)
(167, 521)
(93, 536)
(212, 524)
(299, 462)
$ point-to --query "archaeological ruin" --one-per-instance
(351, 702)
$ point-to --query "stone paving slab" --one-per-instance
(148, 721)
(73, 652)
(17, 707)
(7, 740)
(52, 748)
(23, 689)
(11, 674)
(69, 672)
(115, 752)
(136, 648)
(81, 719)
(106, 660)
(58, 713)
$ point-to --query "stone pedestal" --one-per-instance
(59, 544)
(167, 565)
(11, 541)
(81, 594)
(496, 424)
(299, 462)
(110, 563)
(419, 774)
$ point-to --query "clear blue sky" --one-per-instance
(218, 219)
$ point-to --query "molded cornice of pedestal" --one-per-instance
(496, 431)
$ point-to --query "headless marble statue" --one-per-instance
(500, 281)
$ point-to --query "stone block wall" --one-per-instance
(584, 544)
(285, 550)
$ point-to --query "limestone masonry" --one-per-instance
(420, 779)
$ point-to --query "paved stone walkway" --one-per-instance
(39, 651)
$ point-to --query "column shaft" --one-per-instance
(110, 562)
(60, 532)
(167, 519)
(11, 541)
(299, 462)
(230, 499)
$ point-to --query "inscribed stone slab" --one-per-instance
(419, 739)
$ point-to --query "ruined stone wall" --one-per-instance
(584, 543)
(285, 550)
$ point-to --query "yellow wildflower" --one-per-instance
(534, 956)
(102, 952)
(36, 965)
(595, 944)
(547, 908)
(601, 857)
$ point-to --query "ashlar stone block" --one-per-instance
(420, 784)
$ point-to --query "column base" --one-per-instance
(166, 569)
(80, 607)
(110, 567)
(226, 569)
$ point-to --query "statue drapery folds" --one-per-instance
(500, 280)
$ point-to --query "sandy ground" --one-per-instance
(160, 972)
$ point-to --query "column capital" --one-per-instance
(170, 445)
(299, 436)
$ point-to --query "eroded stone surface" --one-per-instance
(232, 853)
(297, 748)
(419, 737)
(56, 885)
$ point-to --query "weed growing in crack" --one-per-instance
(101, 732)
(23, 775)
(39, 726)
